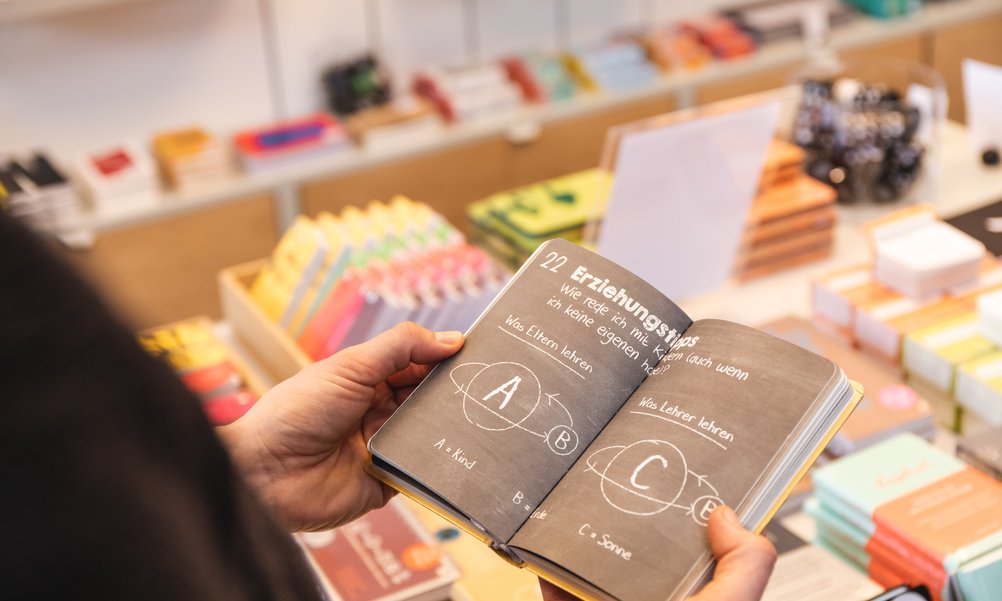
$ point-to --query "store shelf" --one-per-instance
(861, 32)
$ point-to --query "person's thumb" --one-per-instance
(372, 362)
(744, 560)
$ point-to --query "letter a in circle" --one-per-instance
(507, 389)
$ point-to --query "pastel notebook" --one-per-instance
(925, 513)
(588, 428)
(284, 281)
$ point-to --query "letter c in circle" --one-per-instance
(643, 464)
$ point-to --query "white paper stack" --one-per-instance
(919, 257)
(119, 176)
(41, 196)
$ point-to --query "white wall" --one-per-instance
(73, 80)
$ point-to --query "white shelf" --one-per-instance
(861, 32)
(17, 10)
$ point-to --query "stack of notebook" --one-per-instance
(905, 511)
(792, 219)
(405, 121)
(511, 224)
(619, 64)
(41, 196)
(339, 280)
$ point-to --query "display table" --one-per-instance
(959, 183)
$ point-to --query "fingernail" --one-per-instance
(451, 337)
(728, 514)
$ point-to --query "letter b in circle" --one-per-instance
(562, 440)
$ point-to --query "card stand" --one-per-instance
(269, 344)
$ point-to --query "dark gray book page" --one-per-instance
(494, 428)
(630, 517)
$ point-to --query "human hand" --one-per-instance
(744, 563)
(303, 444)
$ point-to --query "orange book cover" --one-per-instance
(797, 196)
(316, 333)
(821, 218)
(785, 248)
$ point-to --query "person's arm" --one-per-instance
(744, 563)
(302, 446)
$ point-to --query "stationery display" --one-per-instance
(512, 224)
(40, 195)
(673, 48)
(619, 64)
(905, 511)
(117, 176)
(721, 36)
(206, 365)
(774, 20)
(468, 93)
(279, 144)
(587, 428)
(192, 158)
(385, 555)
(340, 280)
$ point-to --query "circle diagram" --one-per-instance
(643, 478)
(499, 396)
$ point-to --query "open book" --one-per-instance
(588, 427)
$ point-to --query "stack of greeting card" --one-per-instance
(192, 158)
(468, 93)
(278, 144)
(120, 175)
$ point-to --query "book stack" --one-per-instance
(404, 121)
(282, 143)
(119, 176)
(984, 451)
(385, 555)
(340, 280)
(905, 511)
(512, 224)
(206, 365)
(619, 64)
(192, 158)
(41, 196)
(721, 35)
(468, 93)
(791, 221)
(918, 255)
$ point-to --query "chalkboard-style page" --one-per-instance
(543, 370)
(630, 516)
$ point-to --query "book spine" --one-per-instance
(920, 569)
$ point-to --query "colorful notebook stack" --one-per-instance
(721, 35)
(468, 93)
(120, 175)
(511, 224)
(340, 280)
(791, 221)
(192, 158)
(385, 555)
(984, 451)
(279, 144)
(918, 255)
(206, 366)
(41, 196)
(619, 64)
(906, 512)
